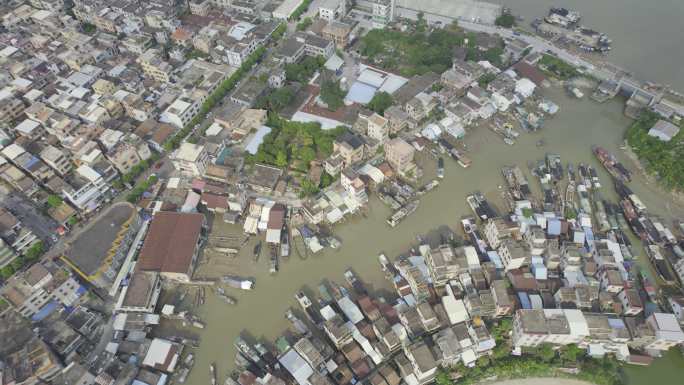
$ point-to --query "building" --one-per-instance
(532, 327)
(331, 10)
(181, 111)
(337, 32)
(513, 255)
(200, 7)
(59, 160)
(383, 12)
(286, 9)
(154, 67)
(667, 331)
(163, 355)
(399, 155)
(141, 293)
(378, 127)
(443, 264)
(191, 159)
(350, 147)
(36, 292)
(663, 130)
(172, 245)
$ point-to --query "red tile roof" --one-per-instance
(170, 242)
(213, 201)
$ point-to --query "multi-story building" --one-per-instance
(200, 7)
(383, 12)
(332, 9)
(154, 67)
(513, 255)
(497, 229)
(190, 159)
(59, 160)
(180, 112)
(31, 291)
(378, 127)
(443, 264)
(337, 32)
(10, 108)
(631, 302)
(399, 155)
(350, 147)
(667, 331)
(532, 327)
(502, 300)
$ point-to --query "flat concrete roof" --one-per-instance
(90, 248)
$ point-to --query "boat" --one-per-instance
(509, 141)
(273, 266)
(595, 183)
(212, 369)
(284, 243)
(257, 251)
(182, 375)
(333, 242)
(297, 324)
(610, 163)
(576, 93)
(306, 304)
(480, 206)
(402, 213)
(384, 262)
(440, 168)
(553, 162)
(238, 282)
(245, 349)
(221, 293)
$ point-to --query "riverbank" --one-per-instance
(539, 381)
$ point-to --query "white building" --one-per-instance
(286, 9)
(180, 112)
(332, 9)
(383, 12)
(190, 159)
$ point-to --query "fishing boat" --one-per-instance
(402, 213)
(480, 206)
(595, 182)
(384, 262)
(237, 282)
(273, 266)
(285, 243)
(257, 251)
(555, 167)
(306, 304)
(243, 347)
(440, 168)
(611, 164)
(212, 369)
(221, 293)
(299, 326)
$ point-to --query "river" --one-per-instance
(571, 133)
(646, 34)
(647, 41)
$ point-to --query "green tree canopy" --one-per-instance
(380, 102)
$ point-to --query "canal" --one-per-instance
(260, 312)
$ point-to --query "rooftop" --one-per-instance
(171, 241)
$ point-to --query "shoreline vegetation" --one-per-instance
(544, 361)
(539, 381)
(662, 160)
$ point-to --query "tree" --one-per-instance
(281, 159)
(443, 378)
(304, 24)
(506, 20)
(485, 79)
(380, 102)
(6, 272)
(331, 94)
(54, 201)
(545, 352)
(571, 353)
(35, 251)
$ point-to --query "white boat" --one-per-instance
(577, 93)
(212, 368)
(237, 282)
